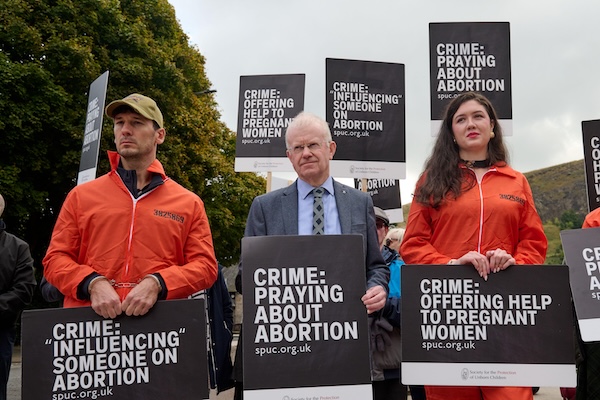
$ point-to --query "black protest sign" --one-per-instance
(515, 329)
(305, 327)
(470, 56)
(385, 194)
(365, 110)
(267, 105)
(93, 129)
(582, 254)
(74, 353)
(591, 155)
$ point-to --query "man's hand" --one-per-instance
(105, 301)
(374, 299)
(141, 298)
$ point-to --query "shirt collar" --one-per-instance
(304, 188)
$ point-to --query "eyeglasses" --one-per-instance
(312, 147)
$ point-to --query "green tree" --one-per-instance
(50, 52)
(570, 220)
(554, 255)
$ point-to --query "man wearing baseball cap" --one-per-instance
(385, 326)
(141, 104)
(133, 236)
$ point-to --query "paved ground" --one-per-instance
(14, 385)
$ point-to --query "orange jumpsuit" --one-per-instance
(592, 220)
(102, 228)
(498, 212)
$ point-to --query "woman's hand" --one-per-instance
(478, 260)
(499, 260)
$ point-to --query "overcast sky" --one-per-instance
(555, 51)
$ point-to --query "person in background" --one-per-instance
(220, 329)
(49, 292)
(289, 211)
(588, 353)
(17, 284)
(133, 236)
(471, 208)
(385, 326)
(394, 238)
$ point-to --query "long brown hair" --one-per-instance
(442, 175)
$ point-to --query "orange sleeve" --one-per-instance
(592, 220)
(416, 245)
(532, 242)
(61, 266)
(200, 269)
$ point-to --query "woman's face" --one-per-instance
(394, 244)
(472, 127)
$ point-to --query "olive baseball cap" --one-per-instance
(141, 104)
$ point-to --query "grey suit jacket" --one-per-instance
(276, 213)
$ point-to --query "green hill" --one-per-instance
(558, 189)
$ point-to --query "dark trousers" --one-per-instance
(417, 392)
(238, 369)
(389, 389)
(7, 342)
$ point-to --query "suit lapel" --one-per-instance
(342, 200)
(289, 208)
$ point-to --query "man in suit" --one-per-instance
(289, 211)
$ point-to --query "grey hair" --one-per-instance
(395, 233)
(306, 120)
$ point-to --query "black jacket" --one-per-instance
(17, 281)
(220, 314)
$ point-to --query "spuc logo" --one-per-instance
(464, 374)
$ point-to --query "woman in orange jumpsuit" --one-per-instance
(471, 208)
